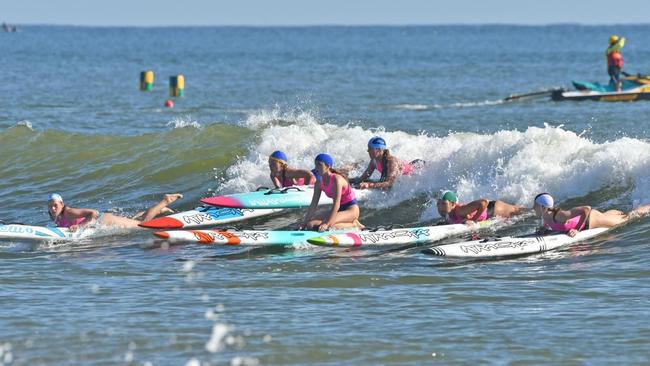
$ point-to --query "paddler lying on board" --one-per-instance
(345, 210)
(579, 218)
(74, 218)
(282, 175)
(386, 164)
(475, 211)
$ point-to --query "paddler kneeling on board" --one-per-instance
(579, 218)
(282, 175)
(345, 210)
(74, 218)
(386, 164)
(475, 211)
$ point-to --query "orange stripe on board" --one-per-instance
(232, 238)
(162, 234)
(202, 237)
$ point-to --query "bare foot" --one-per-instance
(359, 225)
(166, 211)
(169, 198)
(138, 216)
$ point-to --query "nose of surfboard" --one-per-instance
(162, 234)
(222, 201)
(162, 223)
(317, 241)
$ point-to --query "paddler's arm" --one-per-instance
(276, 181)
(479, 206)
(312, 206)
(365, 175)
(393, 171)
(564, 216)
(336, 204)
(90, 216)
(305, 175)
(583, 212)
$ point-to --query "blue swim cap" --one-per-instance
(279, 156)
(326, 159)
(377, 143)
(544, 200)
(55, 197)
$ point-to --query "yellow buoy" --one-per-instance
(177, 86)
(146, 80)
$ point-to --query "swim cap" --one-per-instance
(448, 196)
(55, 197)
(613, 39)
(279, 156)
(377, 143)
(544, 200)
(326, 159)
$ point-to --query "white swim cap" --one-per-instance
(55, 197)
(544, 200)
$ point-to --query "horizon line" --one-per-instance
(326, 25)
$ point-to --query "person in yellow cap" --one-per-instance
(615, 60)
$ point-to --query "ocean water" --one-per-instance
(72, 121)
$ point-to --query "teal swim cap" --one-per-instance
(448, 196)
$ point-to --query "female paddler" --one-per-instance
(74, 218)
(475, 211)
(282, 175)
(345, 210)
(386, 164)
(579, 218)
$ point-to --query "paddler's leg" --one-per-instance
(108, 219)
(506, 210)
(640, 211)
(347, 219)
(343, 219)
(164, 211)
(606, 219)
(156, 209)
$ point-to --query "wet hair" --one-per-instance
(384, 163)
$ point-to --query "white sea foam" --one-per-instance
(511, 165)
(414, 107)
(424, 107)
(217, 339)
(25, 123)
(183, 122)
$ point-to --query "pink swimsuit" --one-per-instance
(407, 168)
(61, 221)
(453, 219)
(564, 227)
(347, 194)
(288, 182)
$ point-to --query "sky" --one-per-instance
(324, 12)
